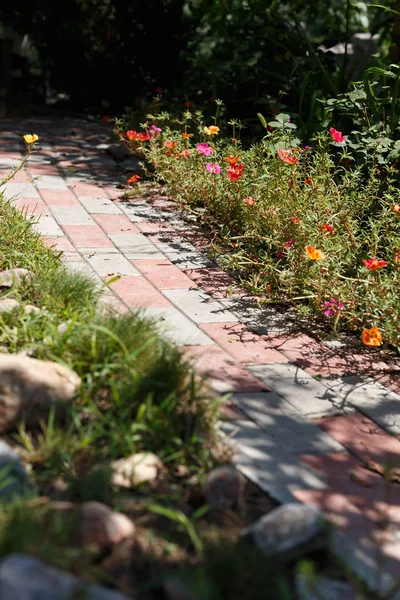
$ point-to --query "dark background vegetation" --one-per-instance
(256, 55)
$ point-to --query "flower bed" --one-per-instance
(299, 224)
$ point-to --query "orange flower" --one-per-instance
(133, 179)
(287, 156)
(328, 229)
(396, 208)
(184, 154)
(374, 263)
(371, 337)
(105, 119)
(132, 134)
(250, 201)
(232, 160)
(212, 130)
(295, 219)
(169, 144)
(187, 135)
(314, 254)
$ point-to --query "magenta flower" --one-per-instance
(333, 306)
(287, 246)
(154, 131)
(204, 149)
(213, 168)
(306, 147)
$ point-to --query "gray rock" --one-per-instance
(323, 588)
(12, 277)
(29, 387)
(14, 482)
(224, 487)
(93, 524)
(30, 309)
(28, 578)
(289, 531)
(138, 468)
(8, 305)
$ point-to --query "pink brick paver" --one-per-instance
(242, 344)
(163, 274)
(115, 224)
(354, 497)
(138, 292)
(87, 236)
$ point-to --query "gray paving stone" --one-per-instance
(110, 264)
(260, 319)
(99, 205)
(82, 267)
(9, 163)
(373, 399)
(135, 246)
(50, 182)
(189, 260)
(47, 226)
(137, 212)
(308, 395)
(267, 463)
(23, 190)
(284, 424)
(71, 215)
(88, 252)
(199, 306)
(178, 328)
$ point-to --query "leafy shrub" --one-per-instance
(297, 223)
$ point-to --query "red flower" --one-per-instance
(169, 144)
(250, 201)
(336, 135)
(133, 179)
(235, 171)
(308, 181)
(132, 134)
(328, 229)
(291, 184)
(295, 219)
(287, 156)
(374, 263)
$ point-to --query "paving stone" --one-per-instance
(80, 266)
(87, 189)
(308, 395)
(59, 198)
(136, 291)
(267, 464)
(135, 246)
(221, 371)
(198, 306)
(154, 227)
(9, 163)
(364, 438)
(100, 205)
(115, 224)
(163, 274)
(87, 236)
(24, 190)
(142, 211)
(178, 328)
(32, 206)
(371, 398)
(50, 182)
(242, 344)
(260, 319)
(110, 264)
(47, 226)
(71, 215)
(61, 244)
(355, 538)
(284, 424)
(189, 260)
(215, 282)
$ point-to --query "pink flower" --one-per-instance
(154, 131)
(306, 147)
(204, 149)
(159, 90)
(333, 306)
(336, 135)
(213, 168)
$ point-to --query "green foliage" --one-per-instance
(284, 199)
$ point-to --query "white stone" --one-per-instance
(138, 468)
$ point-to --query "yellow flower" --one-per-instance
(314, 254)
(396, 208)
(31, 138)
(212, 130)
(372, 337)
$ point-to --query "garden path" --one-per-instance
(310, 421)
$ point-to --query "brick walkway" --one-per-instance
(306, 417)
